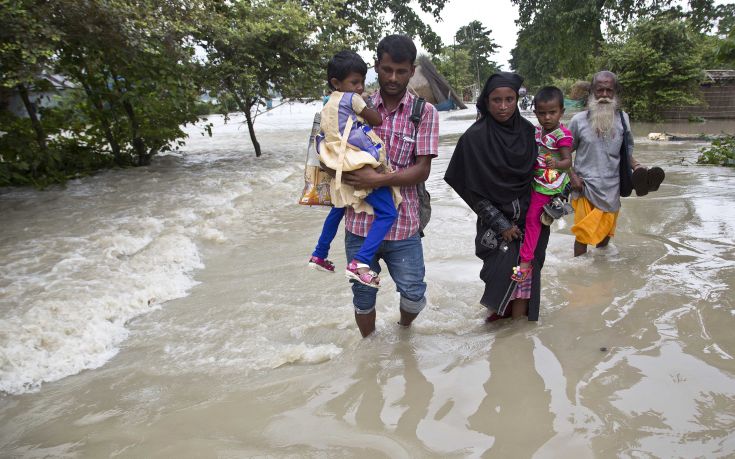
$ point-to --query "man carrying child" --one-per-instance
(410, 149)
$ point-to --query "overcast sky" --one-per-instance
(497, 15)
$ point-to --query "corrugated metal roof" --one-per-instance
(719, 75)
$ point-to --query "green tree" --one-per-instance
(562, 38)
(475, 40)
(456, 65)
(658, 63)
(136, 78)
(541, 59)
(256, 49)
(26, 46)
(129, 62)
(133, 62)
(366, 21)
(706, 17)
(725, 51)
(725, 48)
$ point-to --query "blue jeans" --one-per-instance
(405, 262)
(329, 230)
(385, 214)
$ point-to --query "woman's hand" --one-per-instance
(511, 233)
(551, 162)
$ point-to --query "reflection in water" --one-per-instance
(405, 404)
(574, 424)
(515, 408)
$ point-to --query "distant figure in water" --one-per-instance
(347, 143)
(410, 149)
(595, 177)
(492, 169)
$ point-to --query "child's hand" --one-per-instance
(550, 162)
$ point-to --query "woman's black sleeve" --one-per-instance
(491, 216)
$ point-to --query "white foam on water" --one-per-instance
(299, 353)
(80, 262)
(76, 318)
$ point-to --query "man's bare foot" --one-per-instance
(579, 248)
(603, 243)
(366, 323)
(407, 318)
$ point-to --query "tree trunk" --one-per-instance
(144, 158)
(40, 134)
(599, 39)
(245, 108)
(251, 129)
(97, 103)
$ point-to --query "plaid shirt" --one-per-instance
(397, 133)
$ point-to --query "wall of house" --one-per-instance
(719, 103)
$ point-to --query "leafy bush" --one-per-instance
(565, 84)
(658, 65)
(720, 153)
(67, 155)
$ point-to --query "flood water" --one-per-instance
(167, 311)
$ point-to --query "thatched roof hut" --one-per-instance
(428, 83)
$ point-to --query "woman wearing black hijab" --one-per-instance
(492, 170)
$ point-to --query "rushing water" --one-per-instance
(167, 312)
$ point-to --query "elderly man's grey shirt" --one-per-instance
(597, 160)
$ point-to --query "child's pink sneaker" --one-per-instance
(321, 264)
(369, 278)
(521, 274)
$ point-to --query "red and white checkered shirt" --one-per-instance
(397, 133)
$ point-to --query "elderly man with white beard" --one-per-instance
(595, 175)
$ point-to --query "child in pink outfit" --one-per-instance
(550, 178)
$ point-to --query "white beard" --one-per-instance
(602, 115)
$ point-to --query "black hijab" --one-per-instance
(494, 160)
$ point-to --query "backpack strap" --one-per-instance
(625, 169)
(417, 109)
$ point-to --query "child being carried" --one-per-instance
(346, 144)
(550, 178)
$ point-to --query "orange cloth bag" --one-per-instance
(316, 182)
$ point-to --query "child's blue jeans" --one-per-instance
(385, 214)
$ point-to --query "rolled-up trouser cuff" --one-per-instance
(364, 311)
(413, 307)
